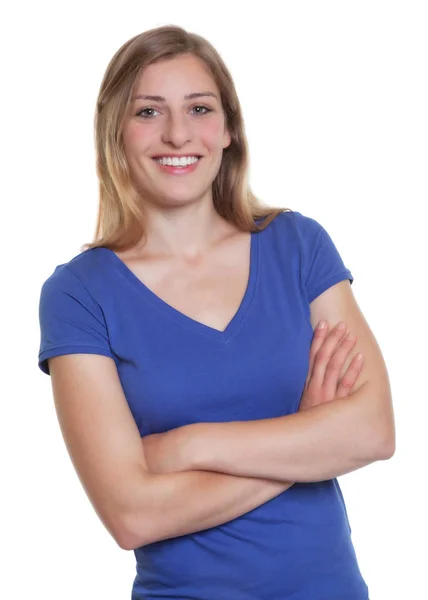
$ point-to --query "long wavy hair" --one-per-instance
(121, 219)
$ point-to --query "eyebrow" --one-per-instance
(187, 97)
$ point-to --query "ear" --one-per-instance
(227, 139)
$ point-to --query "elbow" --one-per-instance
(121, 532)
(388, 449)
(131, 537)
(118, 531)
(376, 444)
(125, 538)
(381, 429)
(123, 543)
(137, 525)
(128, 541)
(385, 448)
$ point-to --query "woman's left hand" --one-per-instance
(164, 452)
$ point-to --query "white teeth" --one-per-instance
(177, 162)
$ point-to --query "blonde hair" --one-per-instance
(120, 220)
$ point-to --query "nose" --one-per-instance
(177, 130)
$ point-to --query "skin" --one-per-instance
(181, 219)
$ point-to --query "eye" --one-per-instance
(143, 113)
(204, 107)
(144, 110)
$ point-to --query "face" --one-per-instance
(175, 125)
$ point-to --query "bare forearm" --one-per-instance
(174, 504)
(314, 445)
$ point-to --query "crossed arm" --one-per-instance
(315, 445)
(190, 500)
(235, 467)
(326, 441)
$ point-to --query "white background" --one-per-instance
(335, 101)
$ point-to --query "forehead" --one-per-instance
(175, 76)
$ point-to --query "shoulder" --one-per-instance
(294, 223)
(297, 222)
(70, 312)
(306, 242)
(293, 231)
(75, 285)
(83, 269)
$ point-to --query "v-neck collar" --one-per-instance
(179, 317)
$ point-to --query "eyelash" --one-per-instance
(208, 110)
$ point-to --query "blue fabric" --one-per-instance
(175, 371)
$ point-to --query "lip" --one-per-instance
(175, 155)
(175, 170)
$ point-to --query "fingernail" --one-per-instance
(341, 325)
(321, 324)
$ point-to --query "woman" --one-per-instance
(189, 321)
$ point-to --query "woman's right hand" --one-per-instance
(328, 354)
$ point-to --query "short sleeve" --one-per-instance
(323, 264)
(71, 322)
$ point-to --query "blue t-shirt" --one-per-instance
(176, 371)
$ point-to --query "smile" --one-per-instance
(177, 169)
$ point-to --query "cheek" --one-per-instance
(131, 136)
(212, 134)
(135, 141)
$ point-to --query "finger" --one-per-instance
(348, 380)
(317, 342)
(324, 354)
(335, 365)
